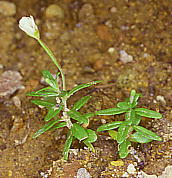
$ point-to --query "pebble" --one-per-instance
(1, 66)
(131, 169)
(10, 81)
(54, 10)
(7, 8)
(124, 57)
(103, 32)
(98, 65)
(103, 121)
(111, 50)
(113, 9)
(161, 99)
(17, 101)
(74, 151)
(44, 175)
(125, 174)
(83, 173)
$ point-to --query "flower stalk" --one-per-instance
(27, 24)
(53, 58)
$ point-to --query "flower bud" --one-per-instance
(27, 24)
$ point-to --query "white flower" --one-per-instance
(27, 24)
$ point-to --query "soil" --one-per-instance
(87, 37)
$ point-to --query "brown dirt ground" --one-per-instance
(81, 39)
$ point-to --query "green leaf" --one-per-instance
(109, 126)
(92, 137)
(123, 148)
(46, 89)
(136, 120)
(123, 132)
(111, 111)
(148, 113)
(133, 117)
(63, 94)
(67, 145)
(88, 115)
(147, 133)
(78, 116)
(132, 95)
(81, 103)
(43, 103)
(46, 127)
(113, 134)
(79, 132)
(44, 92)
(123, 105)
(60, 125)
(49, 79)
(51, 99)
(128, 115)
(134, 98)
(52, 113)
(79, 87)
(138, 137)
(89, 145)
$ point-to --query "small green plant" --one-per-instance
(129, 129)
(54, 98)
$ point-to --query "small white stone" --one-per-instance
(125, 175)
(83, 173)
(17, 101)
(44, 175)
(103, 121)
(74, 151)
(123, 27)
(124, 57)
(131, 169)
(145, 55)
(108, 23)
(161, 99)
(113, 9)
(111, 50)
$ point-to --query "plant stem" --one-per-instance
(53, 58)
(64, 100)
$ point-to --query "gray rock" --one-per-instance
(124, 57)
(83, 173)
(10, 81)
